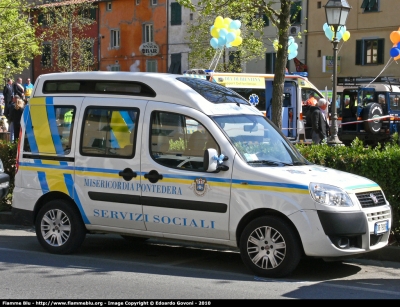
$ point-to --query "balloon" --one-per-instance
(214, 42)
(293, 47)
(215, 32)
(292, 55)
(291, 39)
(395, 37)
(235, 24)
(219, 22)
(397, 58)
(223, 32)
(394, 52)
(325, 26)
(238, 40)
(346, 36)
(221, 42)
(237, 32)
(227, 22)
(228, 45)
(339, 35)
(230, 37)
(398, 45)
(329, 33)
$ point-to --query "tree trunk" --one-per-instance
(280, 63)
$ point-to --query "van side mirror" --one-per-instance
(211, 164)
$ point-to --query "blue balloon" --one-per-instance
(235, 24)
(394, 52)
(230, 37)
(223, 32)
(329, 33)
(292, 55)
(214, 42)
(398, 45)
(325, 26)
(228, 45)
(339, 35)
(221, 42)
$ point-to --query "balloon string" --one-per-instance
(216, 58)
(387, 64)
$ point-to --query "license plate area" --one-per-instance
(381, 227)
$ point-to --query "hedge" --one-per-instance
(380, 164)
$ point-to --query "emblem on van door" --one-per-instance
(374, 198)
(200, 186)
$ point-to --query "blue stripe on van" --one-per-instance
(53, 126)
(43, 182)
(69, 182)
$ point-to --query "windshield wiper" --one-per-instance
(270, 162)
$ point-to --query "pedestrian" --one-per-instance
(320, 126)
(19, 88)
(28, 86)
(8, 93)
(10, 117)
(382, 102)
(311, 101)
(16, 114)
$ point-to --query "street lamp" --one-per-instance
(336, 15)
(6, 71)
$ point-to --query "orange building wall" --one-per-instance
(129, 18)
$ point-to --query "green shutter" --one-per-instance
(176, 13)
(372, 3)
(359, 52)
(364, 4)
(266, 20)
(381, 47)
(93, 13)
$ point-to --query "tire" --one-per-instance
(134, 239)
(371, 111)
(59, 227)
(283, 251)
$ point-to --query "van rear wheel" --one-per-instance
(270, 247)
(59, 227)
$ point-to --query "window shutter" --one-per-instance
(269, 63)
(176, 13)
(359, 52)
(364, 4)
(93, 13)
(381, 47)
(372, 3)
(266, 20)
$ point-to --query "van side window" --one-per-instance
(179, 141)
(53, 135)
(109, 132)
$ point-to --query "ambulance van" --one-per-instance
(162, 156)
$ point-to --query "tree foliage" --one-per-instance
(65, 24)
(279, 14)
(18, 43)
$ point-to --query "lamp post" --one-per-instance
(336, 15)
(6, 71)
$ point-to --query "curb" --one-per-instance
(388, 253)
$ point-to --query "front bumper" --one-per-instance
(4, 184)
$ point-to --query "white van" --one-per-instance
(110, 152)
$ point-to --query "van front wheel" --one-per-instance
(59, 227)
(269, 247)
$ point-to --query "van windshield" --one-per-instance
(258, 141)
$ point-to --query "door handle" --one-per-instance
(127, 174)
(153, 176)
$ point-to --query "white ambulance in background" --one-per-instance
(148, 155)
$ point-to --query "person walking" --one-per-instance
(28, 87)
(16, 114)
(320, 126)
(10, 116)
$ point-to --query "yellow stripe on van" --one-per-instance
(269, 188)
(41, 127)
(120, 129)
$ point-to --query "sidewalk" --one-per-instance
(388, 253)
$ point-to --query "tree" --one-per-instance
(18, 43)
(66, 25)
(279, 14)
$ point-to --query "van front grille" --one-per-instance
(371, 199)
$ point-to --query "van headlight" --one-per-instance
(329, 195)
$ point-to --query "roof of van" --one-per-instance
(166, 87)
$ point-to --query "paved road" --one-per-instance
(109, 267)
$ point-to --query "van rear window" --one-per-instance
(97, 87)
(212, 91)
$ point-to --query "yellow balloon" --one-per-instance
(215, 32)
(219, 22)
(346, 36)
(237, 41)
(237, 32)
(227, 21)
